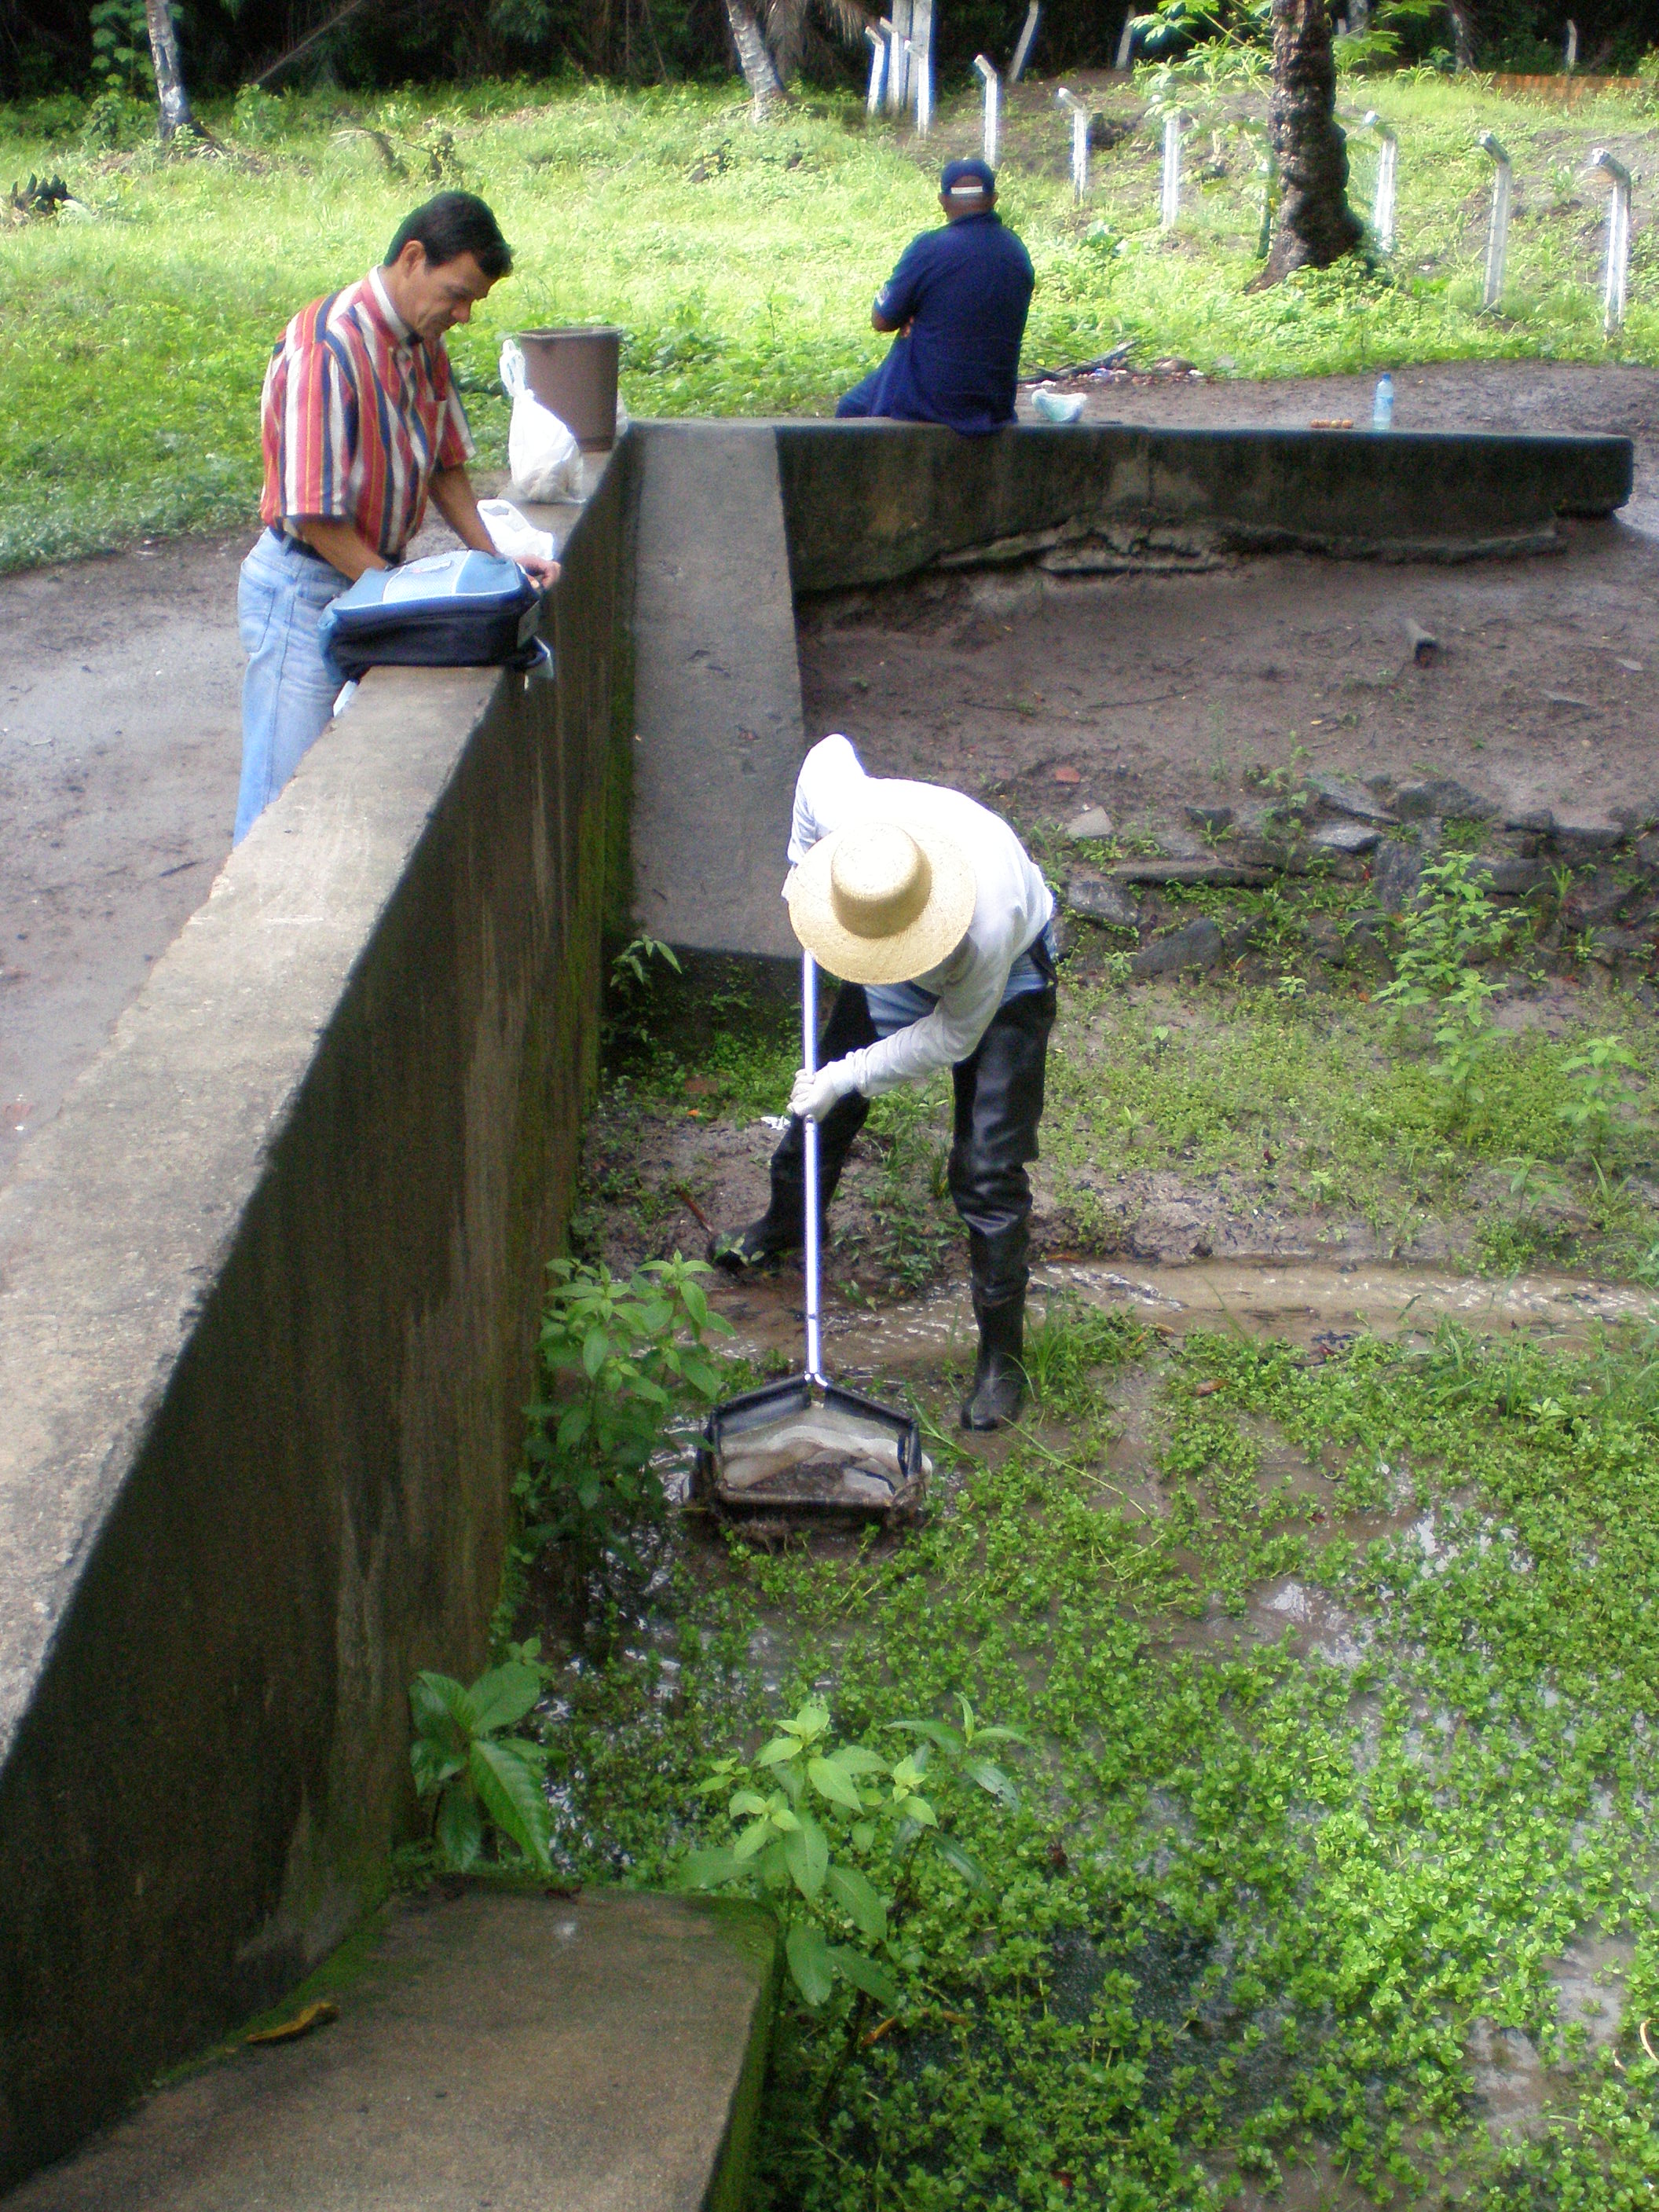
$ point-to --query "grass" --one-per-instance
(1266, 1891)
(740, 263)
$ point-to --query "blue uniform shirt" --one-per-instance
(964, 291)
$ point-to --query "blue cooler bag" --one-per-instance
(460, 609)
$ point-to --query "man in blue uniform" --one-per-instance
(958, 301)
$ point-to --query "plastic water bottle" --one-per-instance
(1382, 406)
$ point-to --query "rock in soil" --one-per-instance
(1578, 836)
(1093, 821)
(1342, 797)
(1395, 877)
(1196, 944)
(1442, 795)
(1213, 820)
(1101, 900)
(1347, 837)
(1188, 872)
(1507, 876)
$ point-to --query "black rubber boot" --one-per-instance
(998, 1379)
(782, 1228)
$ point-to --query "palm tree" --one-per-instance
(1316, 224)
(769, 57)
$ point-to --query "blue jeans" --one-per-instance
(288, 692)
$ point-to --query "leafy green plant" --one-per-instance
(1599, 1095)
(1453, 923)
(483, 1779)
(821, 1823)
(618, 1358)
(1464, 1038)
(629, 968)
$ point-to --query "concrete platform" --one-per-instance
(716, 690)
(522, 2053)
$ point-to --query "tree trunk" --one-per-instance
(753, 60)
(1316, 224)
(169, 70)
(1463, 23)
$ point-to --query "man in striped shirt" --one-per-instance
(360, 424)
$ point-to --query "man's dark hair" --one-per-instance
(450, 225)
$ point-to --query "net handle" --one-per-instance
(809, 1048)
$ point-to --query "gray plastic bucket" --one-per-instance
(574, 372)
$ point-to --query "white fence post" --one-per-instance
(922, 87)
(1079, 115)
(877, 68)
(1170, 212)
(1570, 51)
(1126, 44)
(993, 107)
(1497, 241)
(1613, 304)
(898, 59)
(921, 64)
(1023, 49)
(1387, 158)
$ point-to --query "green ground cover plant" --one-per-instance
(1338, 1679)
(134, 329)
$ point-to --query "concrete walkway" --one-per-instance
(522, 2053)
(716, 690)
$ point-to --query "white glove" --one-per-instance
(814, 1095)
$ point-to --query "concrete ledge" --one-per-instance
(522, 2053)
(866, 503)
(269, 1289)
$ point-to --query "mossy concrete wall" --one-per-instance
(269, 1289)
(866, 503)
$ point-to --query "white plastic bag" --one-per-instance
(544, 458)
(511, 534)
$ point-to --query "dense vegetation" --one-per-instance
(135, 324)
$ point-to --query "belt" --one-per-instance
(297, 546)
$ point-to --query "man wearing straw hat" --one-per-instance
(936, 918)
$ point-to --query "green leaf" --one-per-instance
(573, 1427)
(936, 1732)
(856, 1758)
(863, 1835)
(865, 1973)
(434, 1765)
(991, 1778)
(745, 1800)
(811, 1967)
(860, 1900)
(832, 1781)
(596, 1350)
(503, 1696)
(459, 1831)
(696, 1303)
(919, 1810)
(809, 1723)
(441, 1708)
(964, 1863)
(807, 1855)
(779, 1748)
(510, 1790)
(711, 1870)
(757, 1833)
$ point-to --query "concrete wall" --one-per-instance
(268, 1288)
(867, 502)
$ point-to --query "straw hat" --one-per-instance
(881, 900)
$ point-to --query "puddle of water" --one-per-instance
(1300, 1303)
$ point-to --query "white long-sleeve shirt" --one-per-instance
(1012, 909)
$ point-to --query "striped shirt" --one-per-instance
(357, 417)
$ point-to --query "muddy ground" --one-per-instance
(1143, 694)
(120, 683)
